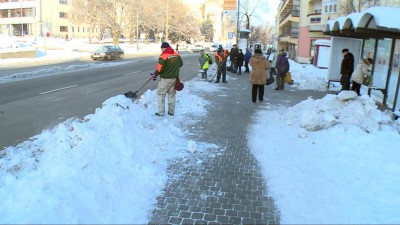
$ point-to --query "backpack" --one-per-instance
(209, 58)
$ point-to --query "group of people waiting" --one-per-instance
(261, 65)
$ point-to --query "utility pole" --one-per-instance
(237, 23)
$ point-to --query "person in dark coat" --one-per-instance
(346, 69)
(239, 61)
(282, 67)
(247, 57)
(232, 56)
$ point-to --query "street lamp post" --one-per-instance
(237, 23)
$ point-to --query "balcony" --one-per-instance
(293, 13)
(315, 22)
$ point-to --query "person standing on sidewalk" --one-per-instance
(169, 64)
(220, 58)
(258, 79)
(232, 56)
(239, 61)
(282, 68)
(362, 70)
(346, 69)
(204, 64)
(247, 57)
(272, 61)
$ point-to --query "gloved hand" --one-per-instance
(154, 76)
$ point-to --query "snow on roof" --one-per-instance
(378, 17)
(323, 42)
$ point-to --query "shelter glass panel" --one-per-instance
(381, 64)
(369, 48)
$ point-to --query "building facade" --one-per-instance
(288, 21)
(34, 17)
(314, 14)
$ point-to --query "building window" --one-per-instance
(73, 29)
(326, 9)
(315, 20)
(334, 8)
(4, 13)
(63, 15)
(83, 29)
(64, 2)
(330, 8)
(63, 28)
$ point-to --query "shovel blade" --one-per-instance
(130, 94)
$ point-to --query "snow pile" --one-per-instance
(308, 77)
(330, 161)
(345, 108)
(116, 157)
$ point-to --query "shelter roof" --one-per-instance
(377, 22)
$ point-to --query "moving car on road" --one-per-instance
(108, 52)
(197, 48)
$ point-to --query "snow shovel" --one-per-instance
(131, 94)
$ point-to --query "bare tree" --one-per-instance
(107, 14)
(346, 7)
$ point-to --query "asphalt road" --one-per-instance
(48, 95)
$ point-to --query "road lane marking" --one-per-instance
(59, 89)
(127, 74)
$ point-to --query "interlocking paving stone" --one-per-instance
(222, 189)
(228, 188)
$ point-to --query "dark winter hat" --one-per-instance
(164, 45)
(345, 50)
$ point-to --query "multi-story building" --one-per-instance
(314, 15)
(39, 17)
(288, 26)
(214, 11)
(34, 17)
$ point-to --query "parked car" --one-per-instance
(108, 52)
(197, 48)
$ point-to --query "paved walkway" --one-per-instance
(228, 188)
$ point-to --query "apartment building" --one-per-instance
(314, 14)
(34, 17)
(288, 21)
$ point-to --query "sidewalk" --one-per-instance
(229, 188)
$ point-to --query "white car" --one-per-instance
(197, 48)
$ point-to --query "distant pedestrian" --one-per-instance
(204, 64)
(247, 57)
(346, 69)
(177, 48)
(272, 57)
(239, 61)
(220, 58)
(258, 78)
(169, 64)
(232, 57)
(362, 70)
(282, 68)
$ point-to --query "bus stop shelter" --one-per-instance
(374, 34)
